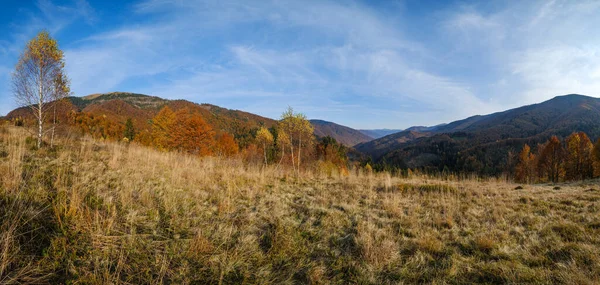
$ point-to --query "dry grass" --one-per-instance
(105, 213)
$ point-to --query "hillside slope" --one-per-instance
(379, 147)
(100, 212)
(120, 106)
(485, 143)
(342, 134)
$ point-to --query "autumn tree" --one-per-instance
(551, 159)
(265, 139)
(100, 127)
(190, 133)
(525, 169)
(144, 137)
(300, 132)
(161, 128)
(579, 162)
(282, 142)
(596, 158)
(60, 104)
(328, 149)
(331, 155)
(226, 145)
(39, 79)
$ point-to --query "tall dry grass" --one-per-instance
(95, 212)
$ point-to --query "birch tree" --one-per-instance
(265, 139)
(39, 80)
(300, 133)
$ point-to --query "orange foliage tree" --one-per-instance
(525, 169)
(551, 160)
(144, 137)
(578, 161)
(190, 133)
(99, 127)
(596, 158)
(161, 128)
(183, 131)
(226, 145)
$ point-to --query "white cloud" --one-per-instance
(350, 51)
(343, 61)
(539, 49)
(57, 17)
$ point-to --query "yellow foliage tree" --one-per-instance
(39, 79)
(161, 127)
(283, 141)
(300, 132)
(525, 169)
(265, 139)
(579, 163)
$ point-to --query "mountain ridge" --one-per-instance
(488, 139)
(343, 134)
(119, 106)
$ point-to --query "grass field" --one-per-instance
(91, 212)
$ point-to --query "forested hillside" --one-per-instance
(345, 135)
(489, 144)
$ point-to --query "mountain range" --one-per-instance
(379, 133)
(489, 143)
(483, 143)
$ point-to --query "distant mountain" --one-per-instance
(561, 115)
(379, 147)
(392, 139)
(379, 133)
(342, 134)
(488, 144)
(423, 129)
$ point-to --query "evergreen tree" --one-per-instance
(129, 132)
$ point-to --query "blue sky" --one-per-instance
(364, 64)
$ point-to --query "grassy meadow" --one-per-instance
(93, 212)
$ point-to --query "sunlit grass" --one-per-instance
(100, 212)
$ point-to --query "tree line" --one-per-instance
(575, 158)
(290, 143)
